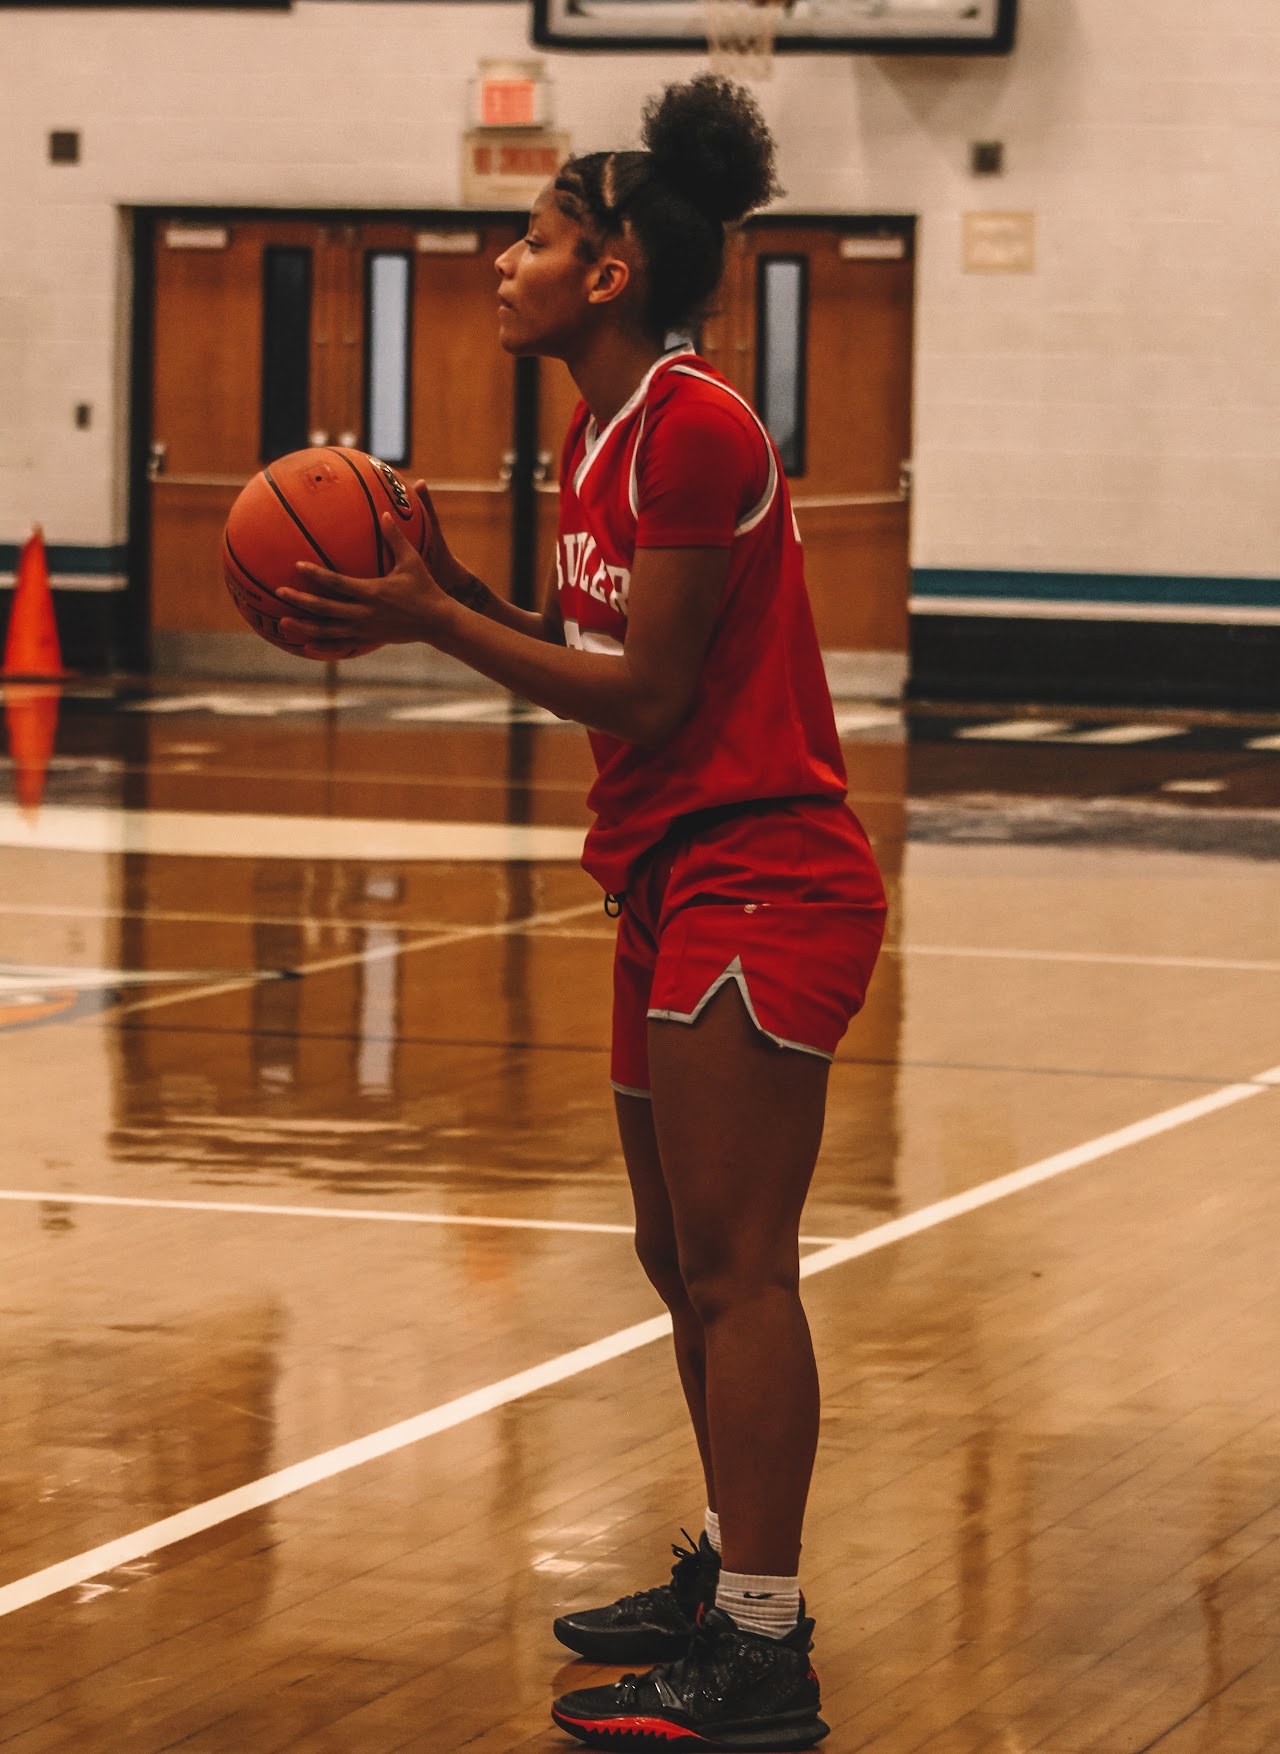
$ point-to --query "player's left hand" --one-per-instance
(336, 613)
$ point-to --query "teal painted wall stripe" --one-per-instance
(1089, 587)
(1079, 587)
(71, 557)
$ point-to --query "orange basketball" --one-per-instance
(322, 505)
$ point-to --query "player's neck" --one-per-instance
(610, 368)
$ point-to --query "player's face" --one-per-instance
(544, 284)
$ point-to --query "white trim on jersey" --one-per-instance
(591, 641)
(750, 519)
(595, 441)
(633, 484)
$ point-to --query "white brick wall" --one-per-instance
(1115, 411)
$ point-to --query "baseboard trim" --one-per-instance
(1112, 662)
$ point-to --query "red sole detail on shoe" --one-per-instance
(632, 1726)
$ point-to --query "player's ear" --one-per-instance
(610, 277)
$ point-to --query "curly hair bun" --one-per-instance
(709, 142)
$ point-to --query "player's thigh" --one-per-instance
(738, 1123)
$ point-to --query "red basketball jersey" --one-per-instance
(686, 463)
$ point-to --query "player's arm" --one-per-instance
(541, 624)
(646, 691)
(464, 587)
(642, 694)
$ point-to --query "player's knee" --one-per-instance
(661, 1263)
(717, 1284)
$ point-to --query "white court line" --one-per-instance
(485, 711)
(32, 1195)
(854, 718)
(205, 916)
(1092, 956)
(377, 953)
(77, 828)
(39, 1585)
(354, 923)
(1015, 730)
(238, 706)
(1106, 958)
(1121, 734)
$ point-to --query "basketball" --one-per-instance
(322, 505)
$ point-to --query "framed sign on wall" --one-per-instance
(871, 27)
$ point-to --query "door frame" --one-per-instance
(135, 610)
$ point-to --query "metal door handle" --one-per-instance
(501, 485)
(542, 481)
(236, 481)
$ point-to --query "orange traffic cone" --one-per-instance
(31, 720)
(32, 648)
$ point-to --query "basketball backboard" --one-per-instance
(875, 27)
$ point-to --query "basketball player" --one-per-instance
(678, 630)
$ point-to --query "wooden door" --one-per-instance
(272, 334)
(557, 399)
(814, 325)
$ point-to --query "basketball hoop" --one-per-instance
(740, 36)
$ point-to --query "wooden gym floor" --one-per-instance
(328, 1375)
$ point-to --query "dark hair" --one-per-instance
(709, 159)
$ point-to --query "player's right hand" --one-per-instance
(445, 569)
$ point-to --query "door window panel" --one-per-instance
(286, 350)
(388, 360)
(782, 297)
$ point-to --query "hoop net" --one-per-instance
(740, 36)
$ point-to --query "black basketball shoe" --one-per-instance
(733, 1690)
(653, 1625)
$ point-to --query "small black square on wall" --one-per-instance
(64, 146)
(986, 158)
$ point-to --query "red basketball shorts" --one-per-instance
(783, 899)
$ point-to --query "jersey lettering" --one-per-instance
(579, 567)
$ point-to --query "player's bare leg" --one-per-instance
(738, 1123)
(659, 1256)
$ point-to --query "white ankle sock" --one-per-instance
(768, 1605)
(711, 1523)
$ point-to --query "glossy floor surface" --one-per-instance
(328, 1374)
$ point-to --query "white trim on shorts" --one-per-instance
(734, 972)
(626, 1090)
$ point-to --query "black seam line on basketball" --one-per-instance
(270, 481)
(383, 551)
(265, 589)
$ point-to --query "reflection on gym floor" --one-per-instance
(304, 1008)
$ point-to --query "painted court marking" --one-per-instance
(1092, 956)
(75, 828)
(372, 953)
(357, 922)
(39, 1585)
(1117, 959)
(29, 1196)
